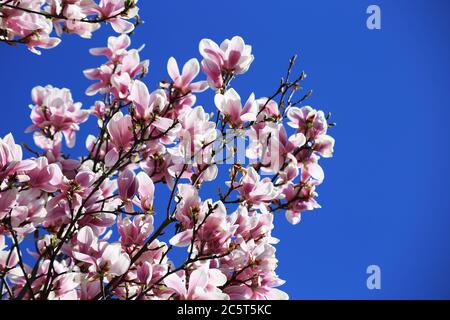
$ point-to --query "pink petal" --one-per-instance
(182, 239)
(172, 69)
(176, 283)
(139, 94)
(121, 26)
(198, 279)
(190, 70)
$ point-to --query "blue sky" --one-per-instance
(385, 197)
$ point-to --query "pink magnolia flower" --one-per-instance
(113, 260)
(203, 285)
(263, 290)
(131, 63)
(257, 280)
(101, 257)
(99, 214)
(299, 200)
(116, 75)
(146, 192)
(80, 184)
(291, 170)
(189, 206)
(134, 232)
(213, 231)
(11, 158)
(252, 225)
(195, 147)
(47, 177)
(128, 186)
(115, 12)
(267, 109)
(120, 129)
(232, 56)
(116, 49)
(31, 22)
(99, 109)
(103, 75)
(74, 14)
(120, 84)
(89, 288)
(272, 146)
(183, 81)
(229, 104)
(216, 231)
(147, 105)
(144, 273)
(256, 191)
(324, 145)
(7, 200)
(66, 283)
(28, 211)
(157, 162)
(33, 29)
(40, 39)
(197, 130)
(310, 122)
(58, 212)
(54, 111)
(311, 168)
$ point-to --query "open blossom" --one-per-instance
(212, 229)
(45, 176)
(146, 104)
(75, 12)
(157, 162)
(116, 12)
(256, 191)
(133, 232)
(252, 225)
(120, 128)
(34, 29)
(314, 125)
(232, 56)
(272, 145)
(194, 149)
(116, 75)
(229, 104)
(116, 49)
(146, 191)
(99, 256)
(54, 111)
(113, 260)
(183, 81)
(28, 211)
(297, 204)
(11, 158)
(202, 285)
(189, 206)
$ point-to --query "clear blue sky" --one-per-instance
(385, 197)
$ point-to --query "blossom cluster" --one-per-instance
(94, 222)
(31, 22)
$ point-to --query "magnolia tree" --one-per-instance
(31, 22)
(88, 228)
